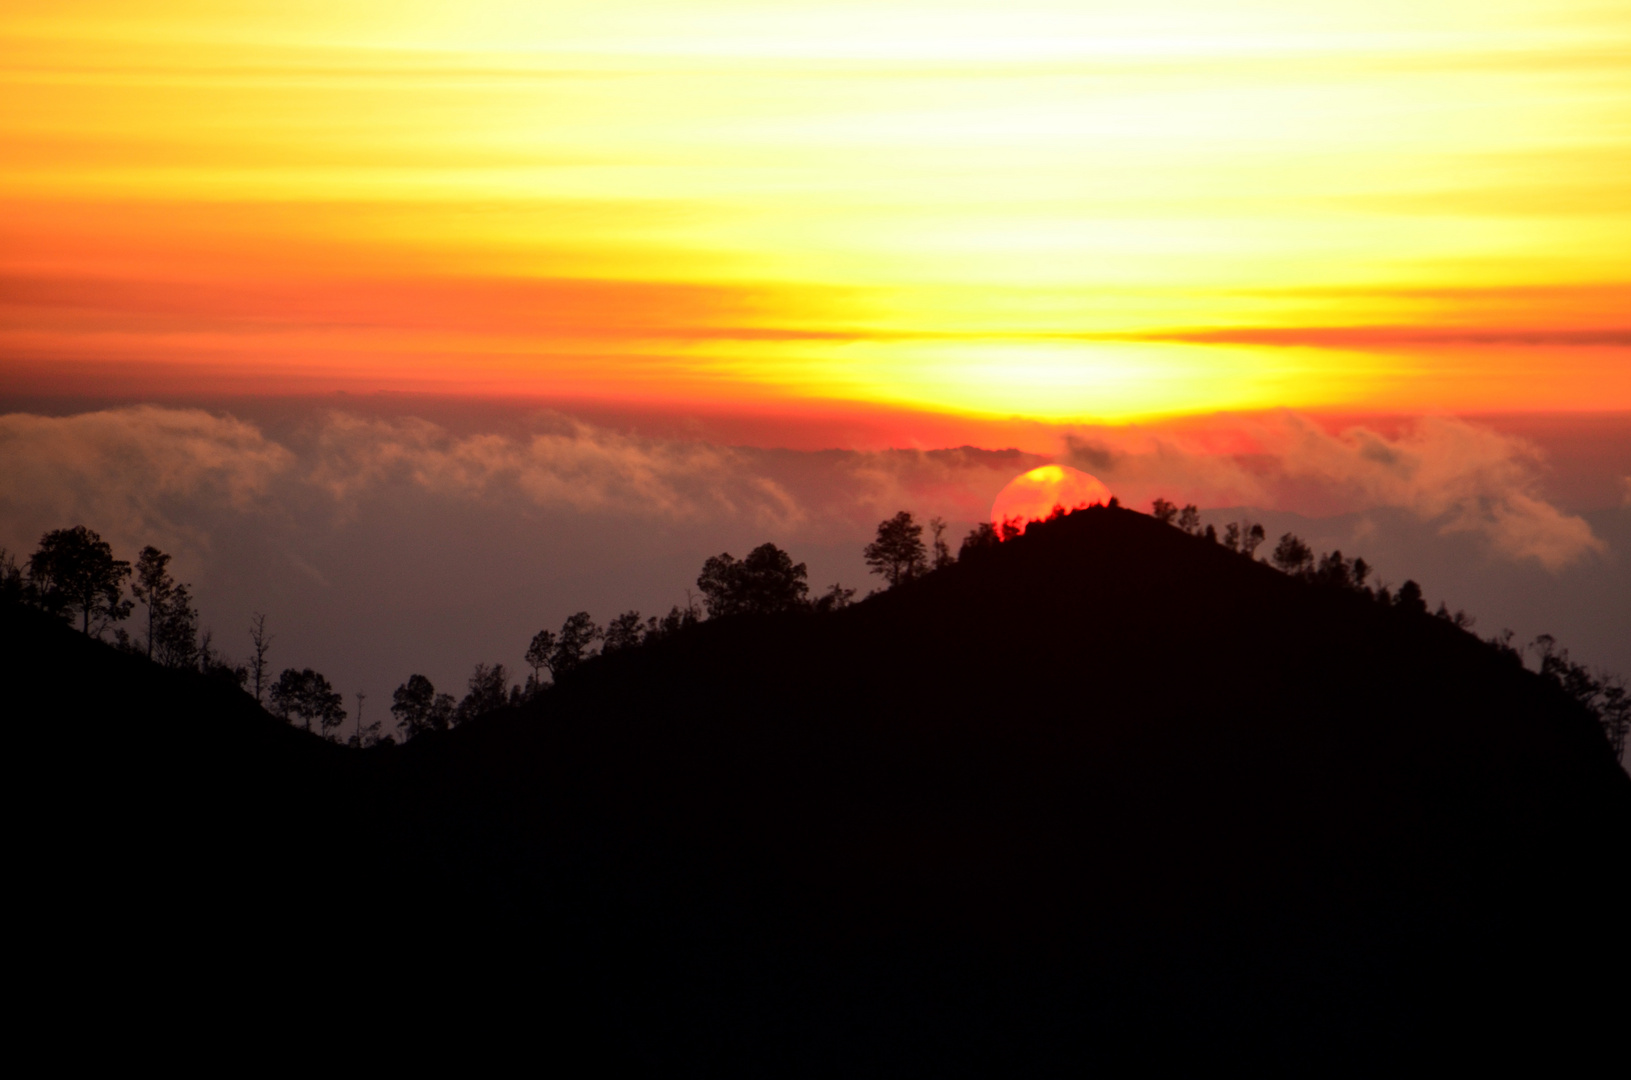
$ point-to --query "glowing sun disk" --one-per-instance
(1034, 496)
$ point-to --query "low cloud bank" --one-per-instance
(572, 466)
(156, 475)
(1464, 477)
(381, 547)
(137, 475)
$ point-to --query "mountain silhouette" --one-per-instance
(1104, 793)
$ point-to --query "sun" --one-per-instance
(1034, 496)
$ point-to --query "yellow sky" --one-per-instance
(1084, 210)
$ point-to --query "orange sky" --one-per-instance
(1066, 212)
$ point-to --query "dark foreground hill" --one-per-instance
(1108, 794)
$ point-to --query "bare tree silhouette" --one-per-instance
(261, 642)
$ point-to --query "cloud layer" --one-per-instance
(381, 546)
(150, 474)
(138, 475)
(570, 465)
(1465, 477)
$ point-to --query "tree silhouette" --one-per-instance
(560, 653)
(1334, 570)
(154, 587)
(1603, 695)
(980, 538)
(1410, 598)
(1359, 569)
(307, 696)
(1502, 643)
(767, 581)
(677, 619)
(623, 632)
(572, 644)
(1243, 536)
(177, 630)
(489, 690)
(1163, 511)
(261, 642)
(942, 551)
(1613, 708)
(366, 735)
(218, 665)
(835, 598)
(74, 571)
(538, 656)
(898, 553)
(1458, 617)
(1293, 556)
(719, 585)
(13, 589)
(418, 708)
(1189, 519)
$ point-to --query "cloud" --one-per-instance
(384, 545)
(167, 476)
(587, 469)
(147, 473)
(860, 488)
(1465, 477)
(571, 465)
(137, 475)
(158, 475)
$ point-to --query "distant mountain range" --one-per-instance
(1104, 794)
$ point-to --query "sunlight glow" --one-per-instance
(1044, 491)
(1096, 210)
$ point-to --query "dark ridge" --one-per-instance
(1104, 794)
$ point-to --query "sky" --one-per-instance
(1085, 210)
(300, 289)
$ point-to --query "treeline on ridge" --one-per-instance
(74, 576)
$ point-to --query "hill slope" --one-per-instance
(1107, 790)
